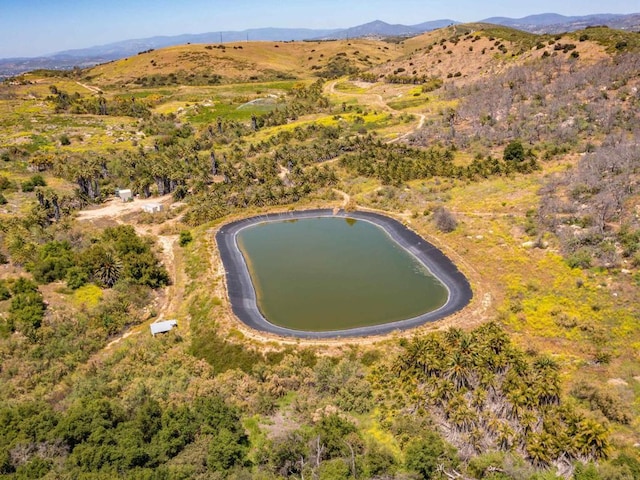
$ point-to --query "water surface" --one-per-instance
(331, 273)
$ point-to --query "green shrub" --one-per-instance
(586, 472)
(514, 152)
(38, 181)
(27, 308)
(31, 184)
(5, 183)
(424, 455)
(581, 258)
(5, 294)
(54, 259)
(76, 277)
(185, 238)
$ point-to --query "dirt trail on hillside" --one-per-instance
(375, 99)
(95, 90)
(370, 98)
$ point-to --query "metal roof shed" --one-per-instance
(152, 207)
(125, 195)
(163, 327)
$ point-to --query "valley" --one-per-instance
(513, 153)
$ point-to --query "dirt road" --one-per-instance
(375, 99)
(115, 210)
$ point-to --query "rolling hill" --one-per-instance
(514, 154)
(84, 57)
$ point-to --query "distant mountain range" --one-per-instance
(554, 23)
(85, 57)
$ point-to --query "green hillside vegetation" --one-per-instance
(613, 40)
(515, 154)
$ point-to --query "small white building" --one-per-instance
(163, 327)
(152, 207)
(125, 195)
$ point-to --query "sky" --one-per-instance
(38, 27)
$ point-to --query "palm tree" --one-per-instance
(479, 398)
(504, 436)
(458, 370)
(528, 421)
(453, 336)
(109, 269)
(518, 401)
(442, 391)
(592, 439)
(459, 415)
(538, 450)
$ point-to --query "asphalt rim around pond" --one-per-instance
(242, 294)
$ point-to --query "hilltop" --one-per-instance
(245, 62)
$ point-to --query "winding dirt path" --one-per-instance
(346, 199)
(369, 98)
(95, 90)
(115, 210)
(375, 99)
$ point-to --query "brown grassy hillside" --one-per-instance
(239, 62)
(468, 52)
(461, 52)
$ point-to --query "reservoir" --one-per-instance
(329, 273)
(325, 274)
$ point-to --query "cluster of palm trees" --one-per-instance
(396, 163)
(97, 105)
(302, 100)
(486, 394)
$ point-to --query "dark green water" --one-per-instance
(322, 273)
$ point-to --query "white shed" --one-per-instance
(125, 195)
(163, 327)
(152, 207)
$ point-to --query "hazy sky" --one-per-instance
(36, 27)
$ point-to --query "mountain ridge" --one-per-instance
(86, 57)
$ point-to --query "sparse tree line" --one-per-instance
(429, 83)
(178, 78)
(549, 102)
(337, 66)
(588, 207)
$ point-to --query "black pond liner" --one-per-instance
(243, 296)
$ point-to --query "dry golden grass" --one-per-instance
(241, 61)
(476, 54)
